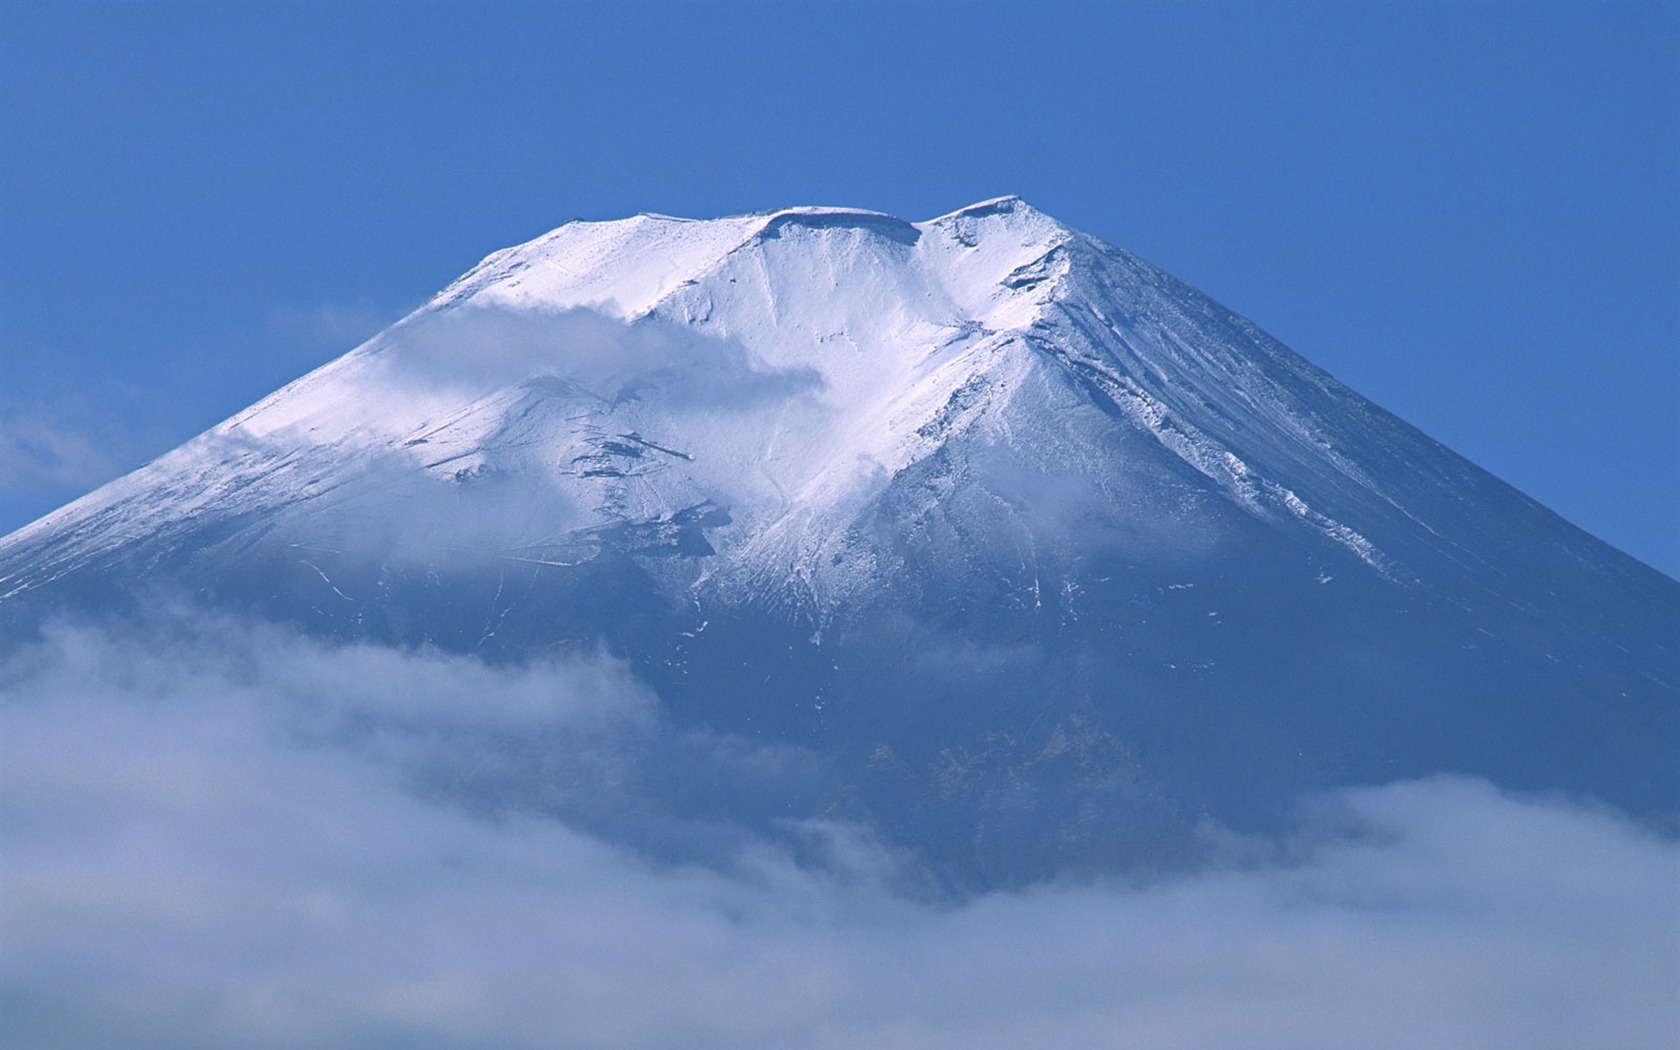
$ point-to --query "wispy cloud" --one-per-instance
(223, 836)
(43, 449)
(60, 443)
(473, 350)
(331, 326)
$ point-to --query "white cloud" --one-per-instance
(215, 837)
(333, 327)
(473, 350)
(40, 449)
(63, 440)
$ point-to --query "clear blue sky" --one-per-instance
(1468, 212)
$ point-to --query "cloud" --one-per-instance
(219, 835)
(42, 449)
(474, 350)
(58, 444)
(331, 326)
(520, 435)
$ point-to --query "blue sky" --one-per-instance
(1469, 213)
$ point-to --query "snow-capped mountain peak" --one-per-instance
(790, 366)
(1026, 541)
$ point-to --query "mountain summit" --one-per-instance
(1036, 557)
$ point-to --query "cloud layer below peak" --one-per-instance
(226, 836)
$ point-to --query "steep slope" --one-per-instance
(1044, 554)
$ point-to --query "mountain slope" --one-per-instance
(1045, 556)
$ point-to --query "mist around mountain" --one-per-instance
(814, 628)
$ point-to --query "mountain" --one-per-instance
(1037, 558)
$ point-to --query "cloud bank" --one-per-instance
(222, 836)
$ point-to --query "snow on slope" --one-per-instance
(767, 377)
